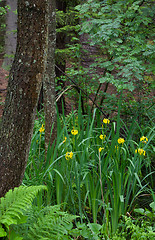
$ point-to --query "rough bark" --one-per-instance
(49, 79)
(11, 34)
(23, 89)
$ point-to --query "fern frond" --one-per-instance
(15, 202)
(50, 223)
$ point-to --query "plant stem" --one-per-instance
(101, 186)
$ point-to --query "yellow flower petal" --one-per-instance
(121, 140)
(64, 140)
(74, 132)
(106, 121)
(100, 149)
(69, 155)
(144, 139)
(140, 151)
(102, 137)
(42, 129)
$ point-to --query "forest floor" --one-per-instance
(3, 90)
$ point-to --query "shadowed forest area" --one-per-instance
(77, 112)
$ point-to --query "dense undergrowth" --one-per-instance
(100, 170)
(99, 176)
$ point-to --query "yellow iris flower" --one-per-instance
(106, 121)
(140, 151)
(102, 137)
(100, 149)
(144, 139)
(42, 129)
(121, 140)
(69, 155)
(74, 132)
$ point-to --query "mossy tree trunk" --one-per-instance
(23, 90)
(49, 78)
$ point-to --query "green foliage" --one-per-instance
(19, 219)
(37, 151)
(47, 223)
(13, 205)
(100, 179)
(3, 11)
(122, 30)
(66, 22)
(121, 33)
(134, 229)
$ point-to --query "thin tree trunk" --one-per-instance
(23, 90)
(11, 34)
(49, 79)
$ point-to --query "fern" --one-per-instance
(13, 205)
(19, 220)
(46, 224)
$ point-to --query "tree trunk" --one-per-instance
(11, 34)
(23, 90)
(49, 79)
